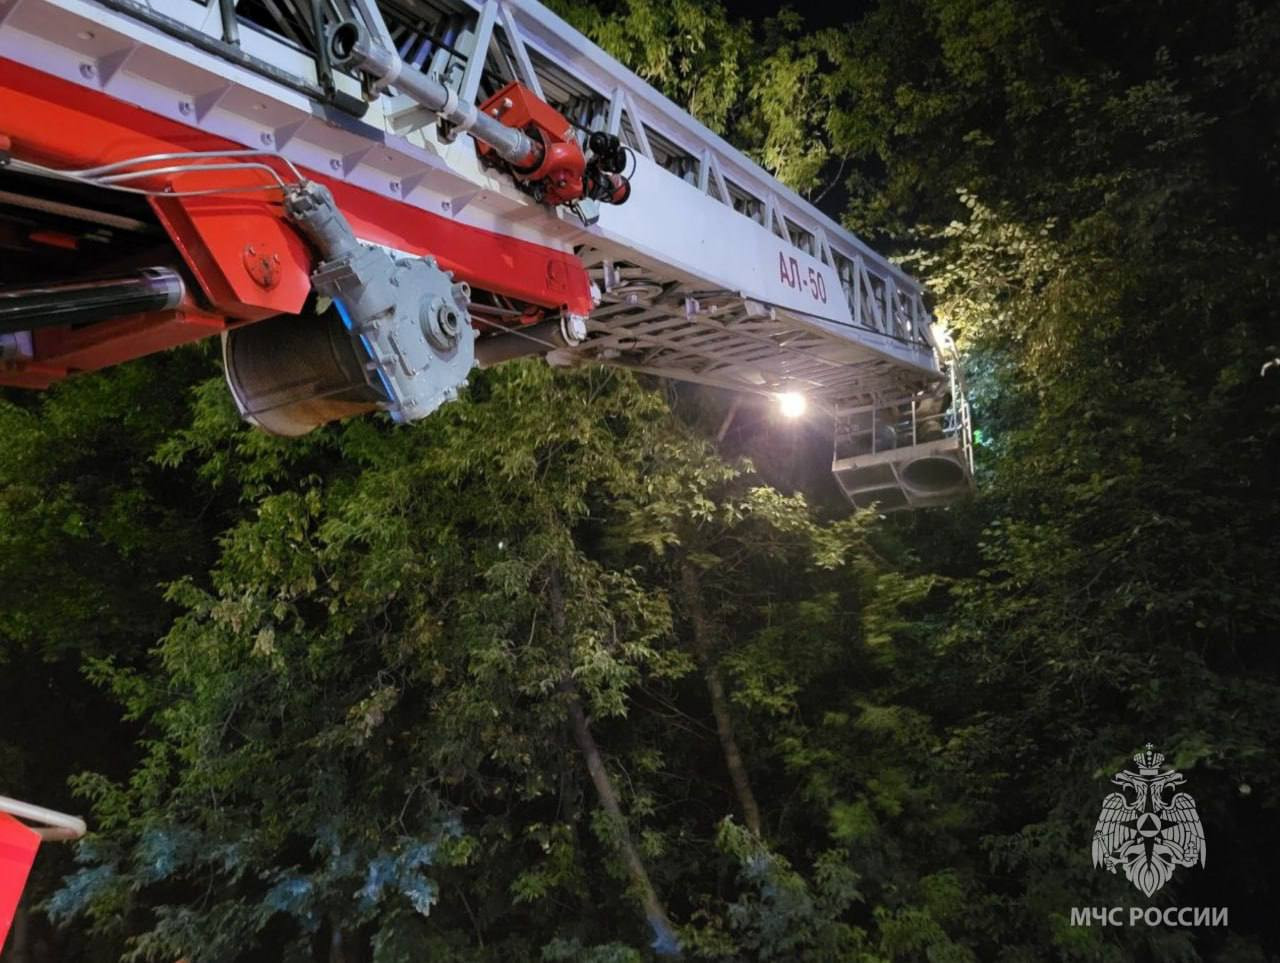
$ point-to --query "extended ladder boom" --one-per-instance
(565, 206)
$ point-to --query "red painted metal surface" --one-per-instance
(556, 176)
(213, 235)
(485, 260)
(60, 352)
(518, 106)
(68, 242)
(111, 342)
(61, 124)
(18, 845)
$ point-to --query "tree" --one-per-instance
(1090, 228)
(352, 684)
(90, 530)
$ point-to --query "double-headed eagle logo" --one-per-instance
(1147, 836)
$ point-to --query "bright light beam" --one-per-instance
(792, 404)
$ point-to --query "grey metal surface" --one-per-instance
(405, 312)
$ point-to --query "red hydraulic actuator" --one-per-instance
(556, 171)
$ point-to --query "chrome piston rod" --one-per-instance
(84, 302)
(350, 46)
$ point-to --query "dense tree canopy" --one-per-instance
(550, 677)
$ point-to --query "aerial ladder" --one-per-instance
(366, 199)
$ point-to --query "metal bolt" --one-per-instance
(184, 107)
(88, 70)
(335, 164)
(395, 187)
(266, 140)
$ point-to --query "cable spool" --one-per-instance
(293, 373)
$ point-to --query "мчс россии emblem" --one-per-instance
(1146, 834)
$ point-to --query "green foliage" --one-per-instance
(765, 87)
(783, 916)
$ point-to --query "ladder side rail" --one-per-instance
(524, 65)
(469, 84)
(273, 55)
(780, 205)
(774, 212)
(552, 37)
(682, 162)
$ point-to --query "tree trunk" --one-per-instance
(691, 596)
(665, 941)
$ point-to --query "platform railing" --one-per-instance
(53, 826)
